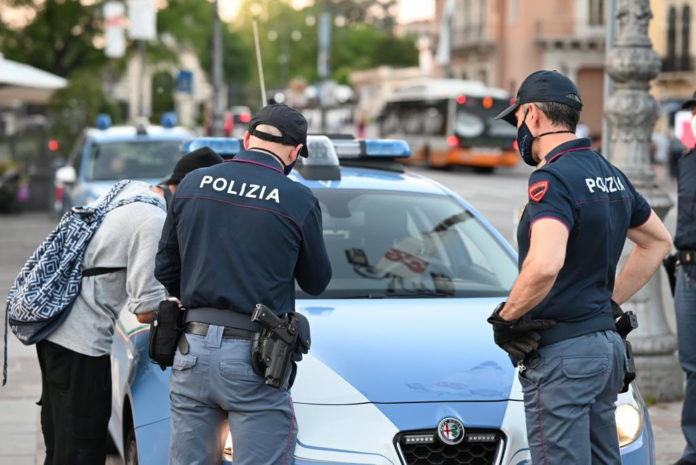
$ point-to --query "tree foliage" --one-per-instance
(60, 38)
(362, 41)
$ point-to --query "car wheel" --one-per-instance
(131, 448)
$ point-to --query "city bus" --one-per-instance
(451, 122)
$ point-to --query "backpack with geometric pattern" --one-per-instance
(46, 288)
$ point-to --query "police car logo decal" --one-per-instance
(450, 431)
(538, 190)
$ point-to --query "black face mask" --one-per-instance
(286, 168)
(525, 139)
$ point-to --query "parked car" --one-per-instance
(401, 352)
(106, 154)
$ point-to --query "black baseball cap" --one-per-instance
(543, 86)
(689, 103)
(290, 122)
(199, 158)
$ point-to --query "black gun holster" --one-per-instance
(165, 330)
(625, 323)
(279, 345)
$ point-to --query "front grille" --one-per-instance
(479, 447)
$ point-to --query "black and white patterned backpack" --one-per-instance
(46, 288)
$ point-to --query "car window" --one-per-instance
(131, 160)
(400, 244)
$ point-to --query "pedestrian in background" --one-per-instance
(75, 359)
(573, 228)
(685, 290)
(239, 234)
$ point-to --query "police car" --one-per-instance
(403, 368)
(106, 154)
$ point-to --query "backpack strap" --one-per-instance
(100, 270)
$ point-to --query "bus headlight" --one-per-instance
(629, 423)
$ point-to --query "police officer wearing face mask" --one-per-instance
(238, 234)
(685, 289)
(580, 210)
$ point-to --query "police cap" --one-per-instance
(290, 122)
(543, 86)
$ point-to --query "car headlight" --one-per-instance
(629, 423)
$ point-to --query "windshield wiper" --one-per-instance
(418, 293)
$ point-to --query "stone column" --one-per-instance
(632, 112)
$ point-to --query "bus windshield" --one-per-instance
(475, 124)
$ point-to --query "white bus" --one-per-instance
(451, 122)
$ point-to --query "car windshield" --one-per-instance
(401, 244)
(132, 160)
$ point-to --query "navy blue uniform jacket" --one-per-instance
(596, 202)
(240, 233)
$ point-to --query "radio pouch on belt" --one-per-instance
(165, 330)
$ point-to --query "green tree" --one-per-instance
(355, 45)
(60, 38)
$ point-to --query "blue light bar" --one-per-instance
(227, 147)
(103, 121)
(372, 148)
(168, 120)
(387, 148)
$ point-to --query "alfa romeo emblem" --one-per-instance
(450, 431)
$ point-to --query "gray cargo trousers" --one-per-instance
(569, 396)
(215, 384)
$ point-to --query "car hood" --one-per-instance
(402, 350)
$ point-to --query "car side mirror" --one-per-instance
(66, 175)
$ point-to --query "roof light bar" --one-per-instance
(227, 147)
(371, 148)
(168, 120)
(103, 121)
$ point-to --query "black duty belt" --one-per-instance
(201, 329)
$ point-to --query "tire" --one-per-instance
(130, 448)
(484, 169)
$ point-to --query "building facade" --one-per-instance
(500, 42)
(672, 32)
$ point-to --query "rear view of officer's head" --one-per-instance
(547, 102)
(280, 130)
(199, 158)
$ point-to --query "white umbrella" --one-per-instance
(24, 83)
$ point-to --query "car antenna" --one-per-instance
(259, 65)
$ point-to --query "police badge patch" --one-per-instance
(450, 431)
(538, 190)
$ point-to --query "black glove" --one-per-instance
(517, 337)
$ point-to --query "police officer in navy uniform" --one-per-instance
(238, 234)
(557, 321)
(685, 290)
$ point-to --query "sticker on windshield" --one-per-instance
(538, 190)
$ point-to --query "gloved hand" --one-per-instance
(518, 337)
